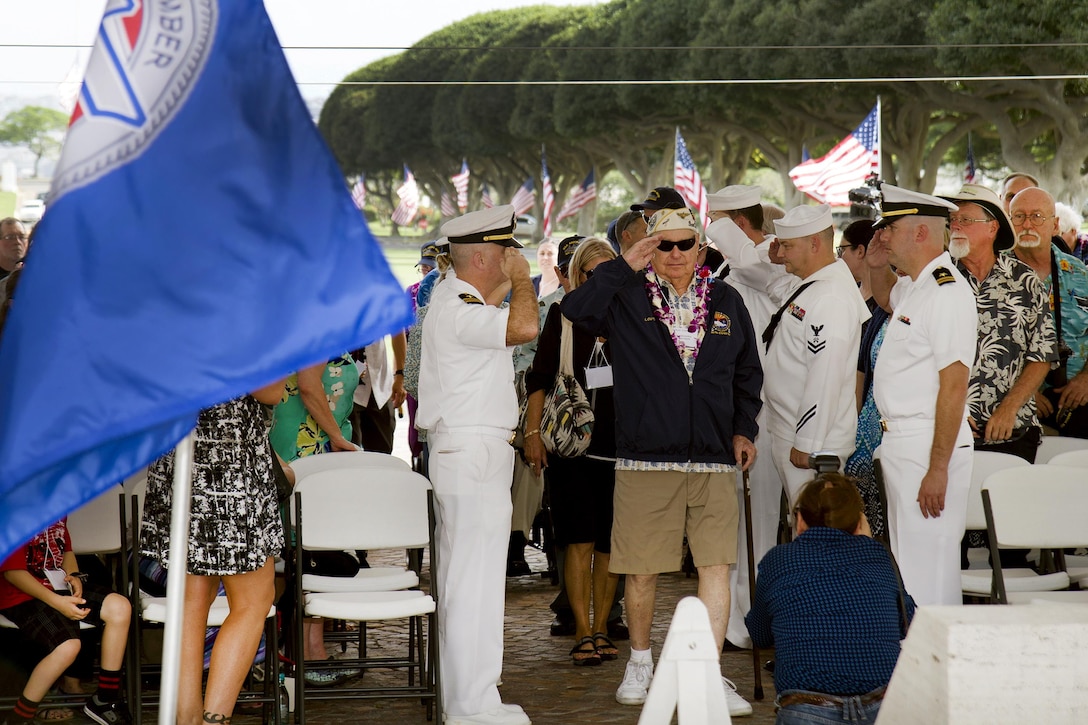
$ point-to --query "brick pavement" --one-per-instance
(537, 671)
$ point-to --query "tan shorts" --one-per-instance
(653, 511)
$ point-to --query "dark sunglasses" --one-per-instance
(588, 273)
(684, 245)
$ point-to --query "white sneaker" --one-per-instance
(738, 706)
(502, 715)
(636, 682)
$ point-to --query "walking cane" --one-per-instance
(758, 694)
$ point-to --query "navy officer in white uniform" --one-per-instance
(468, 406)
(812, 350)
(920, 385)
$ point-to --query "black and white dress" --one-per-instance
(235, 523)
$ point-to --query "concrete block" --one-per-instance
(992, 665)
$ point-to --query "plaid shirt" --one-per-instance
(828, 603)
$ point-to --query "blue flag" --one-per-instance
(200, 243)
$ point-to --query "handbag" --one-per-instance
(567, 423)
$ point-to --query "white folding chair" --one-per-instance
(1075, 458)
(338, 510)
(1051, 446)
(978, 582)
(1040, 506)
(346, 459)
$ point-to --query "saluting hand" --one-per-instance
(641, 252)
(514, 264)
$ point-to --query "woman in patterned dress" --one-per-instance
(311, 417)
(234, 533)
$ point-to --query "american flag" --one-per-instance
(578, 198)
(460, 185)
(830, 178)
(409, 200)
(686, 180)
(448, 211)
(524, 200)
(358, 192)
(970, 170)
(549, 194)
(485, 197)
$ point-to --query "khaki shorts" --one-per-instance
(653, 511)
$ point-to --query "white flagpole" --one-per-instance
(175, 579)
(879, 141)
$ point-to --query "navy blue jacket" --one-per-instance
(660, 416)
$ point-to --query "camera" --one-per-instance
(865, 200)
(1058, 377)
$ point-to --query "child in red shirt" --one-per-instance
(44, 595)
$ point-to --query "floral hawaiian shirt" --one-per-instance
(1073, 283)
(1013, 330)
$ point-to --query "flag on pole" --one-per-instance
(970, 170)
(548, 194)
(523, 199)
(171, 272)
(358, 193)
(687, 181)
(460, 185)
(578, 198)
(447, 207)
(409, 200)
(485, 197)
(830, 178)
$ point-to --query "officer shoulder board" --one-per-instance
(470, 299)
(943, 276)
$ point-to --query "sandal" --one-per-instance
(584, 654)
(607, 650)
(55, 714)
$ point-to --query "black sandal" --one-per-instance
(608, 650)
(592, 657)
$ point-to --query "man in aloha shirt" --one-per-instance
(1016, 343)
(1033, 220)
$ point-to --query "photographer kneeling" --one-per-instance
(831, 604)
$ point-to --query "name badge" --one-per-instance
(56, 579)
(687, 339)
(599, 370)
(599, 377)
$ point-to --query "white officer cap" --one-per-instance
(735, 197)
(897, 203)
(804, 221)
(494, 226)
(667, 220)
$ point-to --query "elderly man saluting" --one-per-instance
(687, 380)
(468, 406)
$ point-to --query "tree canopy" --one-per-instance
(797, 75)
(39, 129)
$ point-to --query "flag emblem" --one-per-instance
(147, 58)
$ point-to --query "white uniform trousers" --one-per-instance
(927, 550)
(471, 474)
(793, 478)
(766, 504)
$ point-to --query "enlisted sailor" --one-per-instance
(736, 229)
(812, 350)
(468, 406)
(920, 386)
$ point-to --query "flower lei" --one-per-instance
(666, 315)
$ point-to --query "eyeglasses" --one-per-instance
(588, 273)
(964, 221)
(1036, 218)
(684, 246)
(14, 237)
(843, 249)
